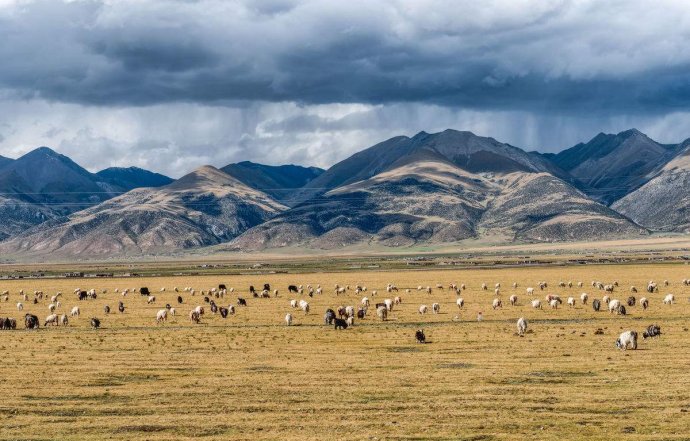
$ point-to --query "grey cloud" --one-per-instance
(562, 56)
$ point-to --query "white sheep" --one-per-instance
(51, 307)
(350, 311)
(75, 312)
(63, 320)
(288, 319)
(397, 300)
(436, 308)
(172, 312)
(52, 319)
(162, 315)
(554, 303)
(627, 339)
(423, 309)
(151, 299)
(305, 307)
(497, 304)
(521, 326)
(571, 301)
(382, 312)
(365, 301)
(606, 299)
(644, 303)
(530, 291)
(389, 304)
(614, 305)
(669, 299)
(513, 300)
(350, 321)
(293, 303)
(536, 304)
(20, 306)
(583, 298)
(460, 302)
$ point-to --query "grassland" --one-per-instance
(251, 377)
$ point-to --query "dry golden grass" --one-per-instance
(251, 377)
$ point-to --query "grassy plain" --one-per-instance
(250, 377)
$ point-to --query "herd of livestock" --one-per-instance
(342, 317)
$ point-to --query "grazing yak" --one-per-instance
(419, 336)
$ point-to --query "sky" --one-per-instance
(172, 85)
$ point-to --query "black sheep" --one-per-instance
(121, 307)
(251, 289)
(95, 323)
(361, 312)
(329, 317)
(292, 288)
(340, 324)
(214, 307)
(621, 310)
(631, 301)
(179, 299)
(83, 295)
(267, 286)
(207, 300)
(31, 321)
(106, 309)
(596, 304)
(221, 286)
(419, 335)
(167, 306)
(241, 301)
(144, 291)
(223, 311)
(652, 331)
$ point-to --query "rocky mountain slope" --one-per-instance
(278, 181)
(610, 166)
(662, 204)
(435, 188)
(202, 208)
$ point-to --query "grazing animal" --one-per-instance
(614, 305)
(340, 324)
(151, 299)
(162, 316)
(121, 307)
(536, 304)
(52, 319)
(95, 323)
(241, 301)
(631, 301)
(179, 300)
(669, 299)
(596, 304)
(652, 331)
(513, 300)
(361, 312)
(223, 311)
(419, 336)
(106, 309)
(423, 309)
(571, 301)
(194, 317)
(75, 312)
(64, 321)
(627, 339)
(436, 308)
(329, 316)
(583, 298)
(521, 326)
(644, 303)
(31, 321)
(20, 307)
(460, 302)
(288, 319)
(292, 288)
(497, 303)
(382, 312)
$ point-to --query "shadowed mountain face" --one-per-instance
(205, 207)
(610, 166)
(132, 177)
(663, 203)
(4, 161)
(278, 181)
(434, 188)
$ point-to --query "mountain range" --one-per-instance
(437, 188)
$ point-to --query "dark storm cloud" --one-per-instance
(563, 56)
